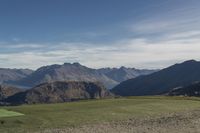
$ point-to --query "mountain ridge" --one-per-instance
(78, 72)
(162, 81)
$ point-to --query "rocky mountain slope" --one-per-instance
(65, 72)
(162, 81)
(77, 72)
(6, 91)
(13, 74)
(123, 73)
(55, 92)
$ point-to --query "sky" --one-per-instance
(99, 33)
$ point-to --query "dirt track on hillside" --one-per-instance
(187, 122)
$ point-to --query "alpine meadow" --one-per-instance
(100, 66)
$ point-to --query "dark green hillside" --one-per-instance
(162, 81)
(190, 90)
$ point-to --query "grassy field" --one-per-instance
(6, 113)
(48, 116)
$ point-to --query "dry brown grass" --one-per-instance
(185, 122)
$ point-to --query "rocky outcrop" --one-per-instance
(59, 91)
(6, 91)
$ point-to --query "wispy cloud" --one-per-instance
(155, 40)
(180, 19)
(130, 52)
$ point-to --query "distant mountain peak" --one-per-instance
(77, 64)
(122, 67)
(72, 64)
(66, 63)
(190, 61)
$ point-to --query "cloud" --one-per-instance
(139, 52)
(182, 19)
(153, 41)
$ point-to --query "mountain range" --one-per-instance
(69, 82)
(110, 77)
(161, 81)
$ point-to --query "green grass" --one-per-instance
(6, 113)
(63, 115)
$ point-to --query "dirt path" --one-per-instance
(187, 122)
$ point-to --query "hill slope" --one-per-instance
(13, 74)
(60, 92)
(6, 91)
(190, 90)
(162, 81)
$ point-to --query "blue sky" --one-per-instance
(99, 33)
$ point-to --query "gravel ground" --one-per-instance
(187, 122)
